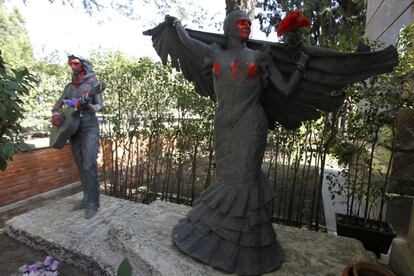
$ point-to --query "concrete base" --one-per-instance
(402, 258)
(142, 233)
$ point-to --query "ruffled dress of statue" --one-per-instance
(230, 224)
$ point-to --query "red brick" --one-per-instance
(37, 172)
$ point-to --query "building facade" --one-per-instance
(385, 18)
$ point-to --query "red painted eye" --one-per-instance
(243, 23)
(74, 63)
(244, 27)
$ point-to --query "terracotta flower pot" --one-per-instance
(348, 271)
(367, 269)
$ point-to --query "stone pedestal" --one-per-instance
(402, 252)
(142, 234)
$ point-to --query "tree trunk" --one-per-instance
(247, 6)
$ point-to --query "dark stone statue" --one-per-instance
(256, 86)
(84, 97)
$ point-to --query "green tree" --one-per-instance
(38, 104)
(365, 150)
(335, 24)
(14, 39)
(17, 51)
(14, 84)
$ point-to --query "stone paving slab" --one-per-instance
(142, 233)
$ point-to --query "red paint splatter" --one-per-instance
(216, 69)
(234, 66)
(78, 78)
(75, 63)
(244, 26)
(252, 70)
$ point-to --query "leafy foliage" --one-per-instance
(365, 146)
(52, 78)
(334, 23)
(14, 39)
(124, 269)
(153, 119)
(187, 10)
(14, 84)
(17, 51)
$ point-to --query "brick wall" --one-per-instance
(37, 172)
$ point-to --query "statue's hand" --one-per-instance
(84, 102)
(303, 60)
(57, 119)
(171, 20)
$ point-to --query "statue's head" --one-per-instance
(79, 64)
(75, 64)
(237, 24)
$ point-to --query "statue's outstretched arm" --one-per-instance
(286, 87)
(196, 46)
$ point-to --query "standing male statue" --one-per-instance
(80, 125)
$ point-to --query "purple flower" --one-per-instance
(54, 266)
(24, 268)
(71, 102)
(35, 267)
(48, 261)
(47, 268)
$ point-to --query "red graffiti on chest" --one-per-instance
(234, 66)
(216, 69)
(252, 70)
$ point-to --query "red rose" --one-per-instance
(292, 21)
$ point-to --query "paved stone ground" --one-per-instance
(142, 233)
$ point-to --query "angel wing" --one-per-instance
(327, 71)
(167, 43)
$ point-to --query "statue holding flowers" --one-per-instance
(257, 85)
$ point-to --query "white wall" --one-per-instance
(386, 17)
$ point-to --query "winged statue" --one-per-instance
(257, 85)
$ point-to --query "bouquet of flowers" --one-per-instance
(46, 268)
(293, 29)
(71, 103)
(58, 117)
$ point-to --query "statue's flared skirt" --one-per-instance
(230, 229)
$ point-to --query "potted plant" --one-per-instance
(366, 269)
(362, 181)
(364, 149)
